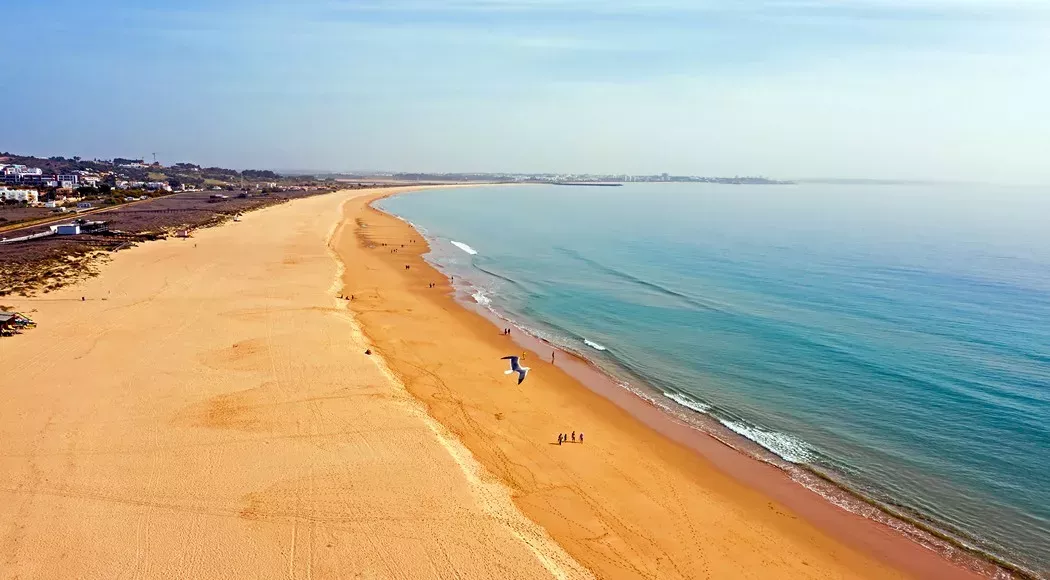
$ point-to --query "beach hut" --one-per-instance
(7, 323)
(15, 320)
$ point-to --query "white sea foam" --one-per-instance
(786, 446)
(480, 298)
(688, 402)
(594, 345)
(464, 247)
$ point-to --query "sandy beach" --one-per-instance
(643, 497)
(205, 409)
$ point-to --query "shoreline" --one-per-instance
(640, 399)
(645, 404)
(671, 414)
(868, 536)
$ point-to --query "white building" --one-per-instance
(24, 195)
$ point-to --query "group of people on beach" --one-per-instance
(563, 438)
(506, 332)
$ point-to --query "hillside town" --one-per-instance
(58, 215)
(81, 185)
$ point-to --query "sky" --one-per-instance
(882, 89)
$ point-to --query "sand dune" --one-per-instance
(208, 412)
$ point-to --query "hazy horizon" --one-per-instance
(940, 90)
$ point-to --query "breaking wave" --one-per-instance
(464, 247)
(786, 447)
(688, 402)
(594, 345)
(481, 298)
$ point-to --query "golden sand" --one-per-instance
(630, 502)
(208, 411)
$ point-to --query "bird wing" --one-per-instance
(513, 362)
(521, 374)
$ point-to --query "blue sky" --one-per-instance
(941, 89)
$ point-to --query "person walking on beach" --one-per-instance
(552, 357)
(574, 437)
(581, 437)
(559, 438)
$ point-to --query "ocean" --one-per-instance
(895, 339)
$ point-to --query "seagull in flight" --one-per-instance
(516, 368)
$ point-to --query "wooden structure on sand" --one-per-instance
(12, 322)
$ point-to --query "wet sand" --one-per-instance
(645, 496)
(207, 411)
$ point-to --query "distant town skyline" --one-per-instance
(881, 89)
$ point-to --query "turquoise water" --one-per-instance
(897, 338)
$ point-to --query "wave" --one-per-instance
(691, 300)
(594, 345)
(464, 247)
(786, 447)
(480, 297)
(495, 275)
(689, 402)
